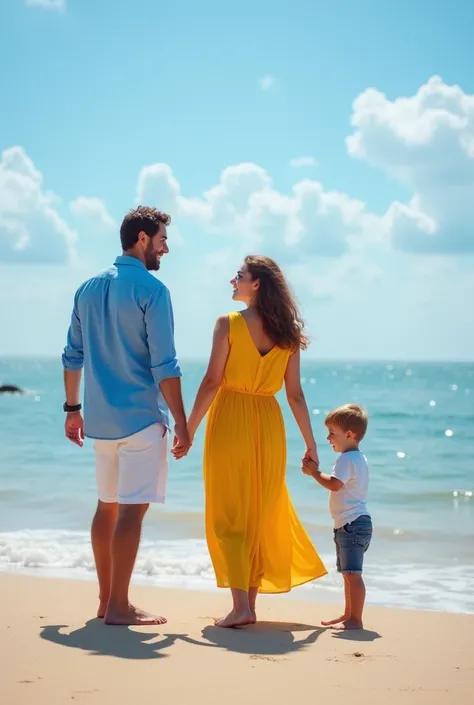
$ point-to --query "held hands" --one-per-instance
(309, 467)
(312, 454)
(182, 441)
(310, 462)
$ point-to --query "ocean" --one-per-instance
(420, 447)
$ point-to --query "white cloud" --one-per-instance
(94, 211)
(267, 82)
(326, 220)
(245, 206)
(333, 248)
(58, 5)
(31, 229)
(300, 162)
(156, 184)
(426, 142)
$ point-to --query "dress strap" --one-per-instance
(233, 325)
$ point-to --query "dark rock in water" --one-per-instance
(10, 389)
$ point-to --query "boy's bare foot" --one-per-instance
(102, 609)
(331, 622)
(236, 619)
(348, 624)
(131, 616)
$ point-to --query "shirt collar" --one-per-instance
(130, 261)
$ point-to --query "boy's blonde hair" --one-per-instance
(349, 417)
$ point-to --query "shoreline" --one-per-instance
(308, 593)
(54, 650)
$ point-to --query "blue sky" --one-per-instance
(338, 138)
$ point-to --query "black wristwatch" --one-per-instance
(70, 409)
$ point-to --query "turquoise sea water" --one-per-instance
(420, 446)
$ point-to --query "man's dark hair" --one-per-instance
(141, 218)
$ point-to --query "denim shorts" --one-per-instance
(352, 541)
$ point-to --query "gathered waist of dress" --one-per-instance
(227, 388)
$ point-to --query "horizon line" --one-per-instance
(304, 359)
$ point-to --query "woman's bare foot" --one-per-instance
(236, 619)
(331, 622)
(349, 624)
(131, 616)
(102, 609)
(254, 616)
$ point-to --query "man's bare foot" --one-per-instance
(331, 622)
(236, 619)
(349, 624)
(131, 616)
(102, 609)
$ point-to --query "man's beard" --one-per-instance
(152, 262)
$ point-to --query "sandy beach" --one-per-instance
(53, 651)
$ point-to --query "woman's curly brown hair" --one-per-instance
(276, 304)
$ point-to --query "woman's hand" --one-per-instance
(182, 442)
(312, 454)
(191, 433)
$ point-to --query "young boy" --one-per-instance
(348, 486)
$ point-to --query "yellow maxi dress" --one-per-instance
(254, 536)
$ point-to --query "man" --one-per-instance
(122, 333)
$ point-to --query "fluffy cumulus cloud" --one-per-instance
(245, 206)
(426, 142)
(243, 209)
(58, 5)
(93, 211)
(31, 229)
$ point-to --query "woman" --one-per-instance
(255, 539)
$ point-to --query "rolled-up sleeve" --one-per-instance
(73, 353)
(159, 322)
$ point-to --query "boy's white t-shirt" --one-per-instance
(350, 502)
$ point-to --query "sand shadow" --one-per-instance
(99, 640)
(362, 635)
(264, 639)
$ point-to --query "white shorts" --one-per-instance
(133, 470)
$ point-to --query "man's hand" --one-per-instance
(181, 442)
(74, 428)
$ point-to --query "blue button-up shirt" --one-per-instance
(122, 333)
